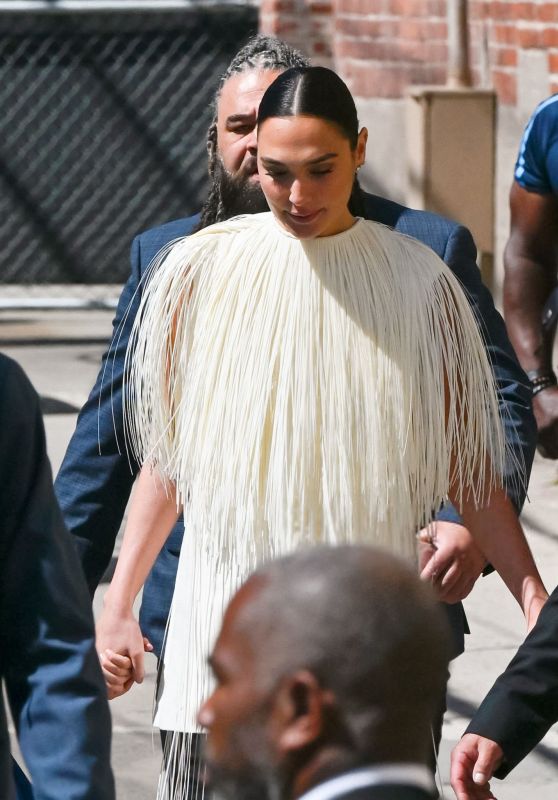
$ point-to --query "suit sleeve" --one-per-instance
(96, 476)
(48, 659)
(514, 392)
(523, 703)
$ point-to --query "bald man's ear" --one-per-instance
(300, 710)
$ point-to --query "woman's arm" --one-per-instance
(498, 533)
(152, 514)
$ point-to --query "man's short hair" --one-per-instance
(361, 621)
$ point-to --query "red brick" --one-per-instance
(505, 85)
(434, 75)
(281, 6)
(553, 87)
(423, 29)
(364, 49)
(367, 28)
(478, 10)
(363, 7)
(525, 11)
(547, 12)
(499, 10)
(426, 52)
(417, 8)
(550, 37)
(531, 37)
(505, 57)
(553, 62)
(285, 28)
(376, 80)
(394, 50)
(505, 34)
(321, 8)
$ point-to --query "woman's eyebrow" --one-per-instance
(318, 160)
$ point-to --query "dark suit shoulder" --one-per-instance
(152, 240)
(388, 212)
(168, 231)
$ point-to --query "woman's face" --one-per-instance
(307, 169)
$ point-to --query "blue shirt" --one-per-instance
(536, 169)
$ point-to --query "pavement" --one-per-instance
(61, 351)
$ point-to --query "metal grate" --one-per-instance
(103, 121)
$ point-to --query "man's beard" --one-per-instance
(251, 784)
(238, 194)
(257, 779)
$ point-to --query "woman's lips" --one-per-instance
(303, 219)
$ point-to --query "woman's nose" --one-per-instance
(298, 192)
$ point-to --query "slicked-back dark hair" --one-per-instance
(261, 52)
(315, 92)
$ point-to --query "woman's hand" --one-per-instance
(152, 514)
(120, 646)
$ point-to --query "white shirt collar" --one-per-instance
(416, 775)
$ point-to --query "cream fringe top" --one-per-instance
(295, 388)
(303, 391)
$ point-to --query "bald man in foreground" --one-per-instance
(330, 667)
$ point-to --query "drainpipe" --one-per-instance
(459, 69)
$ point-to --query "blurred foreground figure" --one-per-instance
(516, 713)
(48, 661)
(331, 694)
(530, 260)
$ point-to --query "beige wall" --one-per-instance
(385, 170)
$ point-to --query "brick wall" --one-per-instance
(382, 46)
(306, 24)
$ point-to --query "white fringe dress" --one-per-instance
(299, 392)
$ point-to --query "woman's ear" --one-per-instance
(300, 712)
(361, 147)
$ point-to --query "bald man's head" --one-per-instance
(333, 649)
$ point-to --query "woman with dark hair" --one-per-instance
(301, 376)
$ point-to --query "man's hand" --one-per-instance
(473, 762)
(545, 407)
(450, 560)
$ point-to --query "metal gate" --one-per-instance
(103, 121)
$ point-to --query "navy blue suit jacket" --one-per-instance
(93, 490)
(523, 703)
(48, 660)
